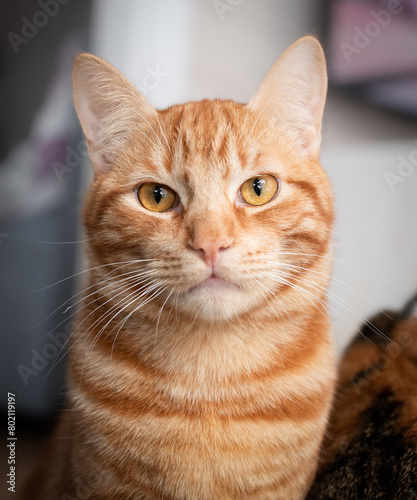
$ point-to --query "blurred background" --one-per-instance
(174, 52)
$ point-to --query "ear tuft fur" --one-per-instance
(109, 108)
(294, 92)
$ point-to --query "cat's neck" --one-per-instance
(171, 342)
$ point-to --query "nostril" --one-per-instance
(210, 250)
(226, 246)
(195, 249)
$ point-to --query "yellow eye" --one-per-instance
(259, 190)
(156, 197)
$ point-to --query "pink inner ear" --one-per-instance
(294, 90)
(106, 104)
(89, 120)
(91, 126)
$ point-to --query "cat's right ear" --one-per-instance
(109, 108)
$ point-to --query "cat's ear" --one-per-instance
(293, 93)
(109, 108)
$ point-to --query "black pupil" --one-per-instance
(158, 193)
(257, 186)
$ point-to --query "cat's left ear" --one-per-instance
(109, 107)
(293, 93)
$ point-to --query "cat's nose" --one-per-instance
(211, 250)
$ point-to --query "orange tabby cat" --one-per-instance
(201, 366)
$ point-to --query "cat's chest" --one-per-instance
(210, 438)
(201, 434)
(207, 456)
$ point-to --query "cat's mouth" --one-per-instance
(214, 282)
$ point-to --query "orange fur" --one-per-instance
(179, 390)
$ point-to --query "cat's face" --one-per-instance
(217, 205)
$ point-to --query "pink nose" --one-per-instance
(211, 249)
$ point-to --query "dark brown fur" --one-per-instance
(371, 446)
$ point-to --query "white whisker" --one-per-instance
(332, 259)
(83, 299)
(280, 301)
(160, 312)
(144, 290)
(60, 357)
(153, 296)
(72, 297)
(90, 269)
(109, 312)
(282, 280)
(334, 281)
(329, 293)
(61, 242)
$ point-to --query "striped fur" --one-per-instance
(371, 447)
(179, 390)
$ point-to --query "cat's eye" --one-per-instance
(156, 197)
(259, 190)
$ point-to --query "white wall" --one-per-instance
(203, 55)
(375, 231)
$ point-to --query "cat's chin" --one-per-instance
(213, 285)
(215, 300)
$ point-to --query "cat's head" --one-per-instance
(217, 206)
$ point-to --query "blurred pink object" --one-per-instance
(372, 40)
